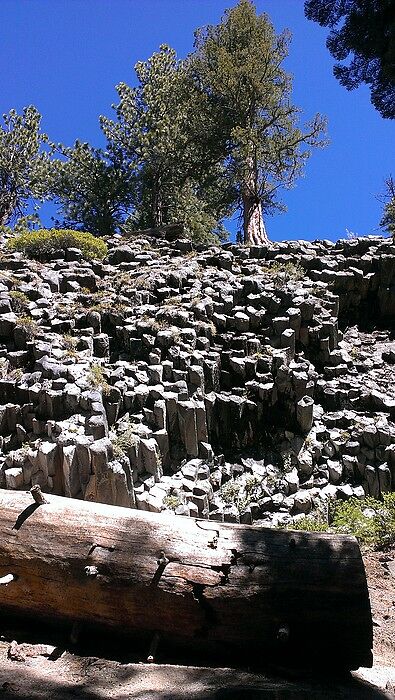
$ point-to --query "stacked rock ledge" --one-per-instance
(233, 383)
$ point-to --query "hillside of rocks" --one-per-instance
(233, 383)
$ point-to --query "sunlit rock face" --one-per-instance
(236, 383)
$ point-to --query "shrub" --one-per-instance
(372, 522)
(19, 300)
(122, 443)
(172, 501)
(385, 520)
(285, 272)
(241, 492)
(69, 342)
(4, 365)
(311, 523)
(29, 325)
(39, 244)
(97, 379)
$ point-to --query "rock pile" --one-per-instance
(232, 383)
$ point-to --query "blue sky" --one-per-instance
(66, 56)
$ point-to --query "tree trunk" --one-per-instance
(250, 592)
(254, 231)
(156, 206)
(7, 206)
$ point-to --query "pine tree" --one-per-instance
(388, 219)
(364, 31)
(252, 125)
(94, 192)
(23, 164)
(155, 135)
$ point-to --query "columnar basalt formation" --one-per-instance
(232, 383)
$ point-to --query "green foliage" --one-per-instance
(311, 523)
(156, 137)
(371, 521)
(69, 342)
(251, 125)
(388, 219)
(230, 492)
(19, 301)
(29, 325)
(4, 365)
(364, 30)
(356, 518)
(123, 442)
(97, 379)
(285, 272)
(241, 492)
(93, 190)
(172, 501)
(385, 520)
(70, 345)
(39, 244)
(23, 163)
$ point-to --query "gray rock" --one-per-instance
(304, 413)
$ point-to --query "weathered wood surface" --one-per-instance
(258, 591)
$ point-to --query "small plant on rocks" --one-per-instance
(123, 442)
(4, 365)
(285, 272)
(69, 342)
(286, 464)
(97, 379)
(70, 345)
(29, 325)
(230, 492)
(172, 501)
(242, 491)
(19, 301)
(16, 374)
(371, 521)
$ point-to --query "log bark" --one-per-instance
(256, 593)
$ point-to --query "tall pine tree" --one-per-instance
(154, 134)
(23, 164)
(93, 190)
(252, 124)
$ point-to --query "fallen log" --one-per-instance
(257, 593)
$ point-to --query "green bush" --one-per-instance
(97, 379)
(311, 523)
(385, 520)
(355, 517)
(39, 244)
(372, 522)
(19, 300)
(29, 325)
(172, 501)
(123, 442)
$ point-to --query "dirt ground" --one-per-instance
(380, 572)
(45, 672)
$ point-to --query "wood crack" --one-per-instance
(22, 517)
(210, 616)
(94, 546)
